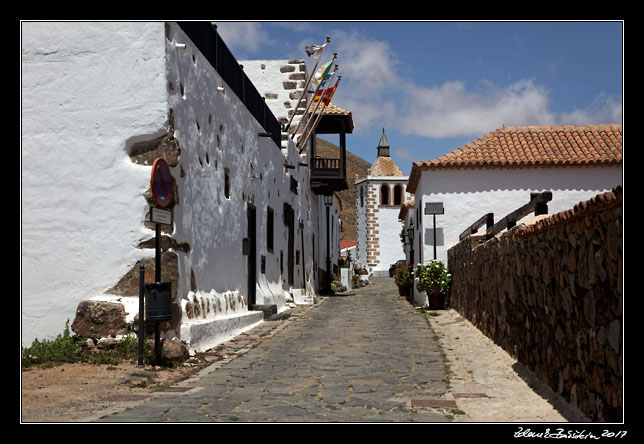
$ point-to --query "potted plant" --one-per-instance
(403, 279)
(433, 279)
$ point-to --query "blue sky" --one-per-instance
(435, 86)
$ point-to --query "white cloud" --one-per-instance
(450, 110)
(368, 64)
(243, 35)
(603, 109)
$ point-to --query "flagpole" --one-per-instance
(308, 122)
(308, 81)
(319, 116)
(316, 91)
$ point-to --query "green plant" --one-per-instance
(433, 277)
(56, 351)
(67, 348)
(403, 276)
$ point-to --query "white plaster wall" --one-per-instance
(361, 225)
(88, 92)
(469, 194)
(268, 77)
(216, 132)
(334, 225)
(390, 246)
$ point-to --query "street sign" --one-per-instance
(160, 216)
(161, 183)
(434, 208)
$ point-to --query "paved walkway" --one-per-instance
(364, 356)
(361, 356)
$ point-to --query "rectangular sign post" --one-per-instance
(158, 216)
(434, 208)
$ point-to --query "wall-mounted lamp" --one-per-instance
(180, 45)
(220, 88)
(410, 234)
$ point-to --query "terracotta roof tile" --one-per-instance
(529, 146)
(347, 243)
(404, 208)
(385, 166)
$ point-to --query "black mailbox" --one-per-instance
(158, 302)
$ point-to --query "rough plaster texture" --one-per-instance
(89, 91)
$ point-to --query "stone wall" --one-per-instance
(550, 294)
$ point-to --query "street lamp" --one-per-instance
(328, 201)
(410, 236)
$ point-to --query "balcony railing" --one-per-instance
(325, 164)
(206, 38)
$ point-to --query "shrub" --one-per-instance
(432, 277)
(403, 276)
(56, 351)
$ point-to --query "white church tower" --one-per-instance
(378, 200)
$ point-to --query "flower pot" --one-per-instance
(403, 290)
(436, 301)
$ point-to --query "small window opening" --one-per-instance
(226, 183)
(384, 194)
(398, 195)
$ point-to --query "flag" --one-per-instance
(315, 50)
(328, 95)
(322, 72)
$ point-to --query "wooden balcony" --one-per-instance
(330, 174)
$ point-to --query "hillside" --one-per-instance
(356, 166)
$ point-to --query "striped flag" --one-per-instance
(322, 73)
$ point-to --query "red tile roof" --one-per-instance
(345, 243)
(404, 208)
(532, 146)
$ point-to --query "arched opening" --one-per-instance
(384, 194)
(399, 196)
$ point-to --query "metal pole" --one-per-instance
(141, 313)
(157, 278)
(157, 254)
(434, 237)
(328, 247)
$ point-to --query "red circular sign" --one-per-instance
(161, 183)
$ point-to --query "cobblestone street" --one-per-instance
(358, 356)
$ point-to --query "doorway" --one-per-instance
(252, 253)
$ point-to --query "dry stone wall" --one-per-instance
(550, 294)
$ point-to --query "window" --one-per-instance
(384, 194)
(269, 229)
(226, 183)
(398, 195)
(361, 196)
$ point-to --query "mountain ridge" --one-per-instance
(357, 168)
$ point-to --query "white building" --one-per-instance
(100, 101)
(496, 174)
(378, 200)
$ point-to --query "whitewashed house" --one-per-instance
(379, 197)
(101, 101)
(497, 172)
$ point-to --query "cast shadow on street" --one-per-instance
(567, 410)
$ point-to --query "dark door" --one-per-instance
(291, 246)
(252, 253)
